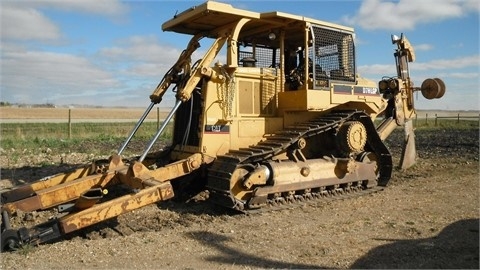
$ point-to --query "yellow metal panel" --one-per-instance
(321, 100)
(212, 15)
(206, 17)
(318, 100)
(250, 131)
(257, 93)
(268, 96)
(214, 144)
(281, 16)
(251, 128)
(273, 124)
(292, 100)
(245, 97)
(257, 98)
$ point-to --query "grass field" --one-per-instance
(135, 113)
(59, 114)
(41, 128)
(98, 125)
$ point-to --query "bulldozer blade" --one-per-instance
(409, 151)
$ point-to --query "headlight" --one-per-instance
(382, 85)
(393, 84)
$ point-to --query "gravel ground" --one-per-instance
(428, 217)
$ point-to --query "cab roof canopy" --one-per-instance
(211, 15)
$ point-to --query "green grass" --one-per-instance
(86, 137)
(78, 130)
(83, 138)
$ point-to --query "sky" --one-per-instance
(114, 53)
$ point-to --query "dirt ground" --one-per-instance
(428, 217)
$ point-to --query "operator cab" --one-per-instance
(328, 52)
(279, 68)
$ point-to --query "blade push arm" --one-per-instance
(182, 73)
(200, 69)
(182, 66)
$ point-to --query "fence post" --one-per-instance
(158, 118)
(69, 123)
(435, 119)
(458, 118)
(426, 119)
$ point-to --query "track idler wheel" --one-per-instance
(433, 88)
(10, 240)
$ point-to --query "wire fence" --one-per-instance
(74, 128)
(29, 131)
(450, 119)
(81, 130)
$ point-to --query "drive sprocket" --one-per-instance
(352, 137)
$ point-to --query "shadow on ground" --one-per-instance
(455, 247)
(29, 174)
(231, 256)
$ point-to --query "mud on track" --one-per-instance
(426, 218)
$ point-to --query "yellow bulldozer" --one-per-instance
(273, 114)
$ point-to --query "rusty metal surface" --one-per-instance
(27, 205)
(17, 194)
(433, 88)
(28, 190)
(89, 198)
(115, 207)
(59, 194)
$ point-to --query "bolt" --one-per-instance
(305, 171)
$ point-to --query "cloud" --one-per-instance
(406, 14)
(459, 74)
(26, 24)
(132, 65)
(441, 64)
(23, 20)
(141, 57)
(142, 49)
(376, 70)
(33, 76)
(438, 64)
(423, 47)
(144, 56)
(473, 5)
(463, 75)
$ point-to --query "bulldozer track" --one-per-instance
(221, 171)
(314, 199)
